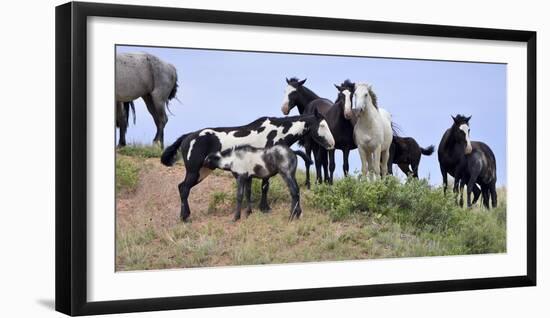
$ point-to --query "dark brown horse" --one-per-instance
(406, 153)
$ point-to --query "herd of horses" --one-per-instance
(353, 121)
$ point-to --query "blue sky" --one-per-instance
(226, 88)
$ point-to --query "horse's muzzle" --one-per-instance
(285, 108)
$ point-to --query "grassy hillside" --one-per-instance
(353, 219)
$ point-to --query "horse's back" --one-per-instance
(487, 160)
(134, 77)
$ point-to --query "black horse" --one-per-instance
(297, 95)
(453, 148)
(406, 153)
(480, 168)
(261, 133)
(341, 128)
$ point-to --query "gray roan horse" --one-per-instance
(146, 76)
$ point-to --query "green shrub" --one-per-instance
(127, 174)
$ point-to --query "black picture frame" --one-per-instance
(71, 157)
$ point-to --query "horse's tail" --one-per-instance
(427, 151)
(130, 106)
(168, 157)
(172, 94)
(396, 129)
(302, 154)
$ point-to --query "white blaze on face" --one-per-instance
(361, 95)
(324, 132)
(466, 130)
(347, 104)
(285, 108)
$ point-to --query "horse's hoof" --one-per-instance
(235, 219)
(185, 219)
(265, 209)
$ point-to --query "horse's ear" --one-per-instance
(339, 88)
(468, 119)
(300, 83)
(287, 81)
(454, 118)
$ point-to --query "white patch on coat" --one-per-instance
(466, 129)
(245, 163)
(324, 132)
(347, 99)
(285, 108)
(255, 139)
(190, 148)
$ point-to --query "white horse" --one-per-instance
(373, 131)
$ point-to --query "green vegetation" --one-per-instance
(126, 174)
(140, 151)
(418, 209)
(352, 219)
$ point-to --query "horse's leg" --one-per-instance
(364, 163)
(345, 154)
(376, 161)
(264, 206)
(391, 159)
(493, 190)
(191, 179)
(444, 175)
(477, 194)
(405, 168)
(384, 159)
(332, 165)
(308, 154)
(318, 162)
(485, 194)
(248, 194)
(295, 209)
(471, 184)
(122, 121)
(155, 106)
(414, 166)
(241, 184)
(323, 154)
(461, 193)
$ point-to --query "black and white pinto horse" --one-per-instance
(261, 133)
(406, 153)
(297, 95)
(247, 162)
(453, 148)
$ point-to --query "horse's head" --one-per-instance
(218, 160)
(320, 131)
(291, 95)
(345, 95)
(461, 132)
(363, 97)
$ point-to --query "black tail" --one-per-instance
(168, 157)
(172, 94)
(427, 151)
(302, 154)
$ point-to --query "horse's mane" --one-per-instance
(373, 96)
(306, 91)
